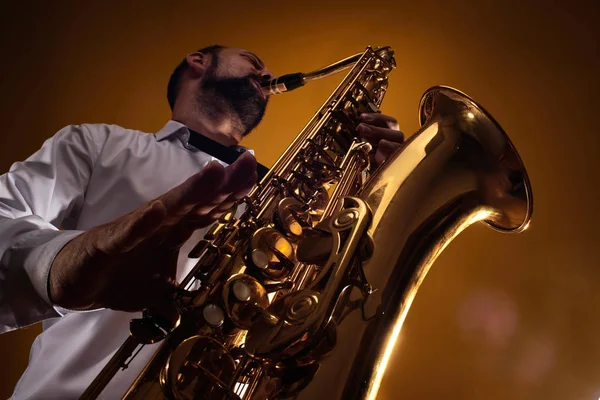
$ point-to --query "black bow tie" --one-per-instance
(226, 154)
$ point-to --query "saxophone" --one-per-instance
(303, 293)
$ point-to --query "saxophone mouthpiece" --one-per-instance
(288, 82)
(284, 83)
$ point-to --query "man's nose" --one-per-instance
(266, 75)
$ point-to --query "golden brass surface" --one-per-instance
(305, 294)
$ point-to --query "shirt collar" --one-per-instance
(170, 128)
(183, 134)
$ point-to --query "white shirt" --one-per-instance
(84, 176)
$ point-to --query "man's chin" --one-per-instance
(251, 125)
(243, 96)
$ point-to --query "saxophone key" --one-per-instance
(199, 366)
(244, 298)
(271, 253)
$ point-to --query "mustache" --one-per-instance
(242, 82)
(262, 80)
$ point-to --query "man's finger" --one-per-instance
(240, 178)
(385, 149)
(380, 120)
(203, 188)
(241, 175)
(204, 220)
(374, 134)
(178, 235)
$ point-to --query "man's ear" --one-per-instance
(197, 62)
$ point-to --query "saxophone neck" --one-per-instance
(288, 82)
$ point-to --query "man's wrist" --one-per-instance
(64, 291)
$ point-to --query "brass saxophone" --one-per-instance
(303, 294)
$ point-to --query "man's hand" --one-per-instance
(130, 263)
(382, 132)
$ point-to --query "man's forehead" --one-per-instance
(242, 52)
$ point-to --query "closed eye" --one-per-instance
(254, 60)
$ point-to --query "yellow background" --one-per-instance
(499, 316)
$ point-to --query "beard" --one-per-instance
(236, 99)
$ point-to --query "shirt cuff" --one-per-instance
(44, 247)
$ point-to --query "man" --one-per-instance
(127, 222)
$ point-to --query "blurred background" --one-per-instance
(499, 316)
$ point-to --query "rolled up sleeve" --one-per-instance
(36, 197)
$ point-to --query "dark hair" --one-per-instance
(175, 80)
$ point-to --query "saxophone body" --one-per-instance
(303, 294)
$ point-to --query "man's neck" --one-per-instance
(220, 132)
